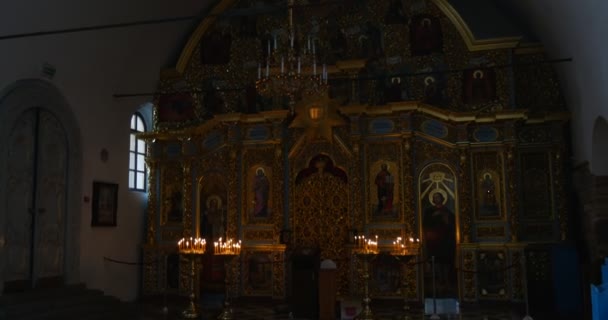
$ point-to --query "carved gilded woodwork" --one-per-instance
(491, 232)
(150, 272)
(259, 235)
(517, 274)
(189, 218)
(412, 276)
(278, 281)
(172, 194)
(385, 233)
(320, 219)
(409, 213)
(464, 210)
(217, 145)
(491, 271)
(469, 282)
(171, 235)
(512, 191)
(257, 274)
(152, 204)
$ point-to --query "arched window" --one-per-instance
(137, 154)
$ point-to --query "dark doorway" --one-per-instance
(305, 283)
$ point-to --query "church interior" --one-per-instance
(303, 159)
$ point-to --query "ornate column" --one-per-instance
(561, 196)
(512, 194)
(464, 195)
(150, 272)
(189, 217)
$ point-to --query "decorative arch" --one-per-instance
(599, 148)
(444, 5)
(16, 99)
(438, 222)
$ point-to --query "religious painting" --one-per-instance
(172, 207)
(175, 205)
(386, 276)
(258, 273)
(437, 203)
(215, 47)
(212, 224)
(479, 86)
(384, 178)
(175, 107)
(105, 203)
(259, 191)
(488, 185)
(491, 275)
(425, 35)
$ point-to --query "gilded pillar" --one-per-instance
(187, 198)
(512, 194)
(464, 196)
(409, 213)
(151, 217)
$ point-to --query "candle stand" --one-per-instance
(228, 251)
(404, 254)
(192, 249)
(366, 250)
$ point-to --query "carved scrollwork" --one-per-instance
(172, 193)
(321, 219)
(468, 278)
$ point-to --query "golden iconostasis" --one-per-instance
(414, 132)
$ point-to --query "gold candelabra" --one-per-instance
(228, 249)
(192, 248)
(366, 250)
(295, 77)
(404, 252)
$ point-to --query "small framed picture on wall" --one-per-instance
(105, 204)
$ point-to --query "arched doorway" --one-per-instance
(40, 164)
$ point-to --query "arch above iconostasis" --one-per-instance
(473, 44)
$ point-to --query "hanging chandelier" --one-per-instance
(289, 73)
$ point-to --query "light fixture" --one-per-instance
(289, 73)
